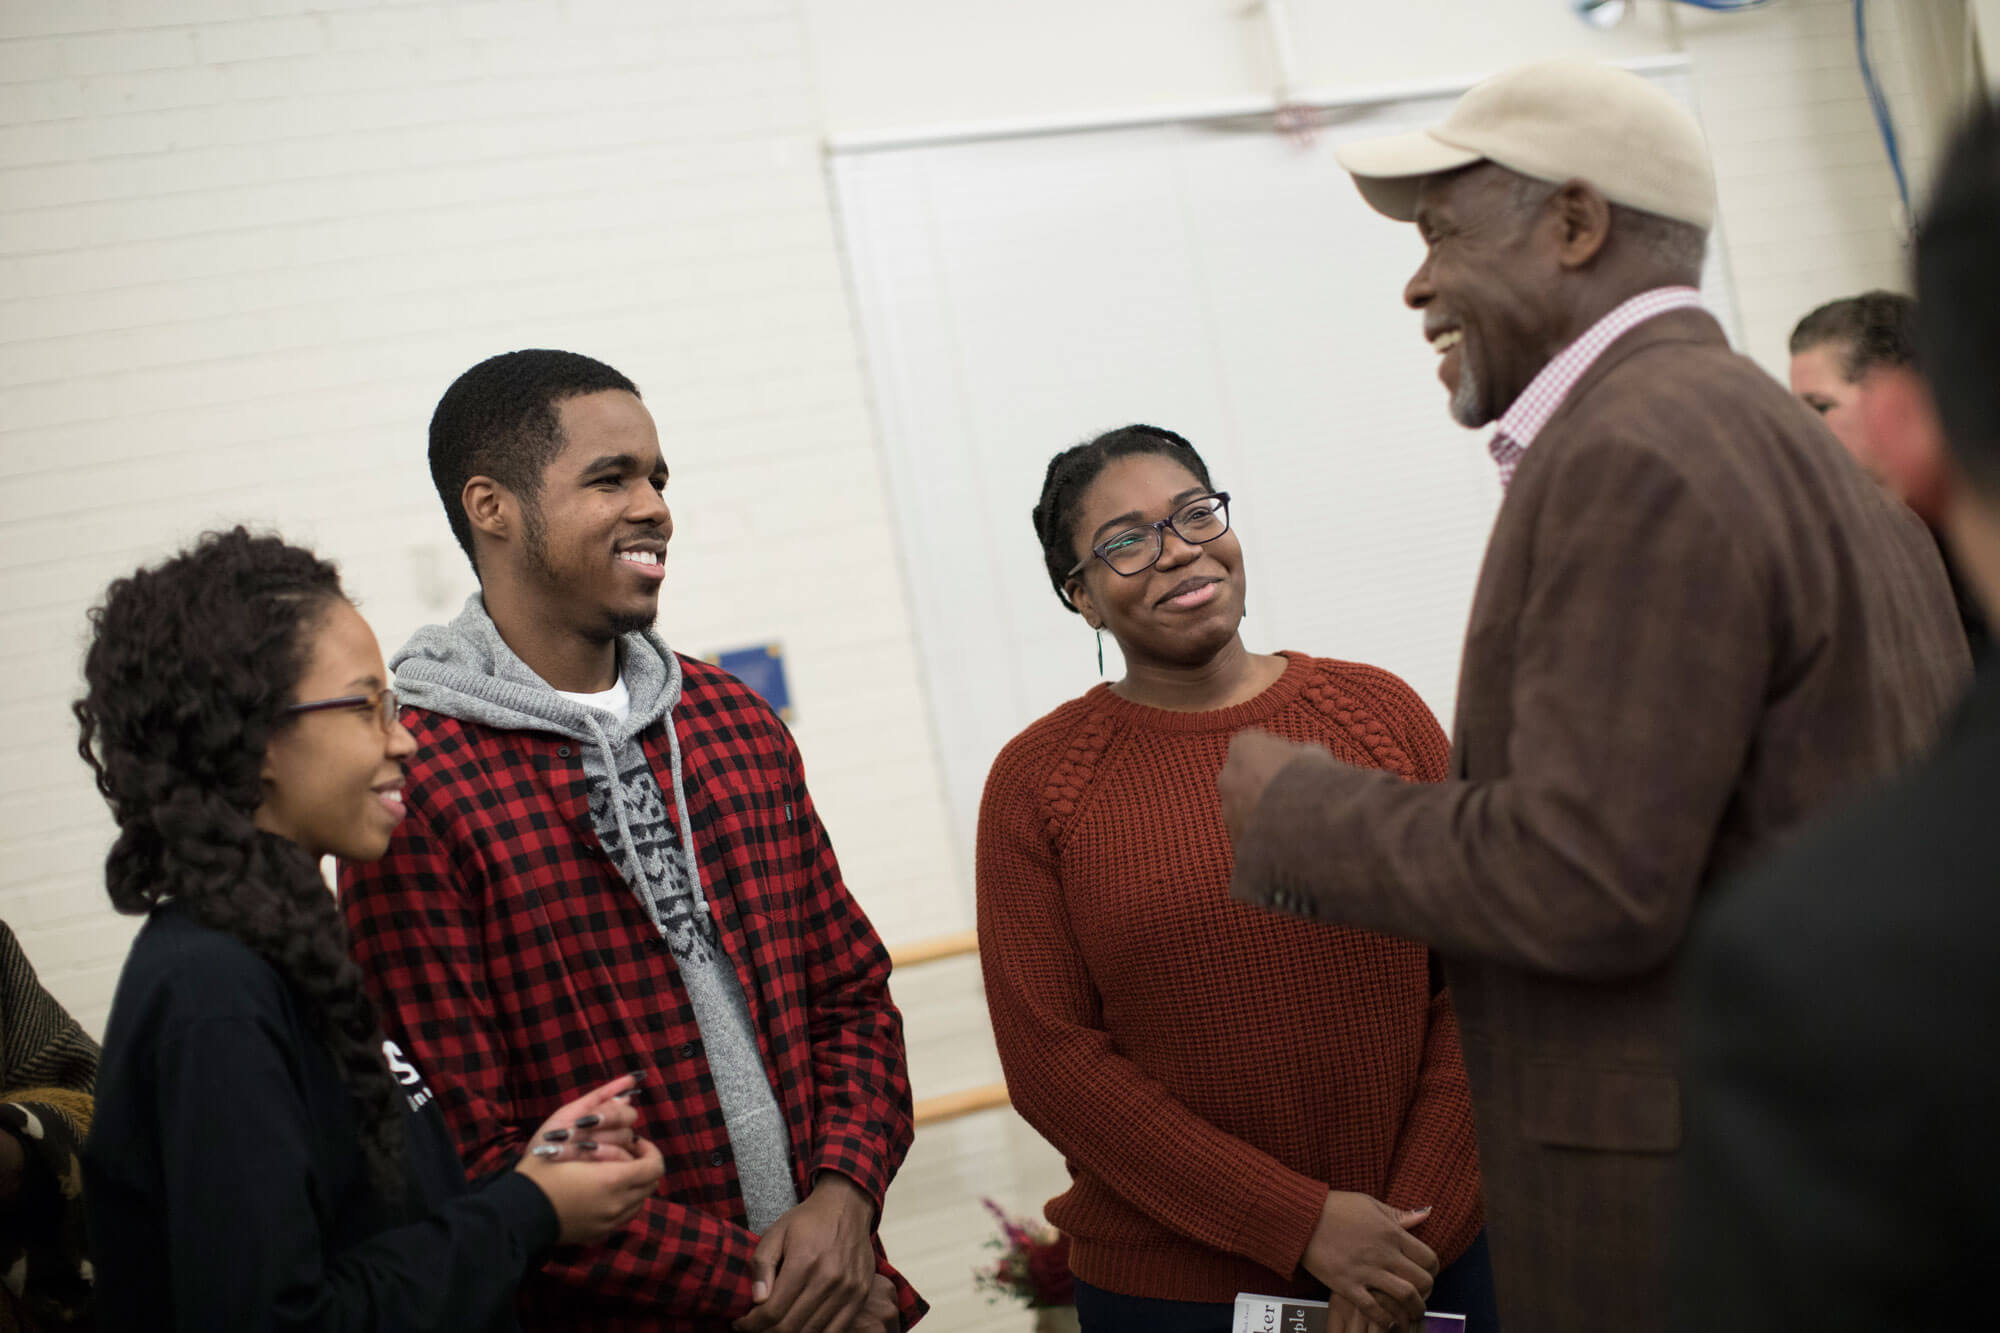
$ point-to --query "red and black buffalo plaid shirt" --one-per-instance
(514, 962)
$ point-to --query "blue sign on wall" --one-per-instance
(762, 668)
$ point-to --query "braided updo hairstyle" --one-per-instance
(1069, 476)
(190, 666)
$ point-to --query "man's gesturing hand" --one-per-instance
(1255, 757)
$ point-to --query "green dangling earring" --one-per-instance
(1100, 650)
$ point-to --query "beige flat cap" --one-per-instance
(1555, 121)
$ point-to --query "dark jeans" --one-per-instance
(1101, 1311)
(1467, 1288)
(1464, 1288)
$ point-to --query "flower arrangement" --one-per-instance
(1033, 1266)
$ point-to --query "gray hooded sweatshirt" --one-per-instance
(466, 671)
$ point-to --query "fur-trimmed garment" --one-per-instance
(48, 1067)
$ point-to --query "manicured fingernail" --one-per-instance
(630, 1094)
(587, 1121)
(546, 1150)
(638, 1076)
(585, 1145)
(556, 1135)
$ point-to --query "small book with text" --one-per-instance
(1291, 1314)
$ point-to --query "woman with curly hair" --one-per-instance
(261, 1158)
(1246, 1101)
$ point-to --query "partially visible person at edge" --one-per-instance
(1246, 1102)
(1842, 999)
(612, 863)
(48, 1066)
(1836, 347)
(1696, 625)
(1855, 360)
(261, 1159)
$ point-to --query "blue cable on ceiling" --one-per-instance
(1879, 104)
(1608, 13)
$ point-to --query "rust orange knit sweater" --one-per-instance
(1208, 1069)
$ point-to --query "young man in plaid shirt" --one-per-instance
(610, 863)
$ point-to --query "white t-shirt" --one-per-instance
(616, 701)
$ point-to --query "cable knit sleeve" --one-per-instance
(1406, 718)
(1436, 1159)
(1064, 1073)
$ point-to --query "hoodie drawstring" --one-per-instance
(617, 797)
(687, 832)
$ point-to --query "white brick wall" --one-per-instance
(244, 245)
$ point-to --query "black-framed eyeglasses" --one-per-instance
(382, 703)
(1136, 550)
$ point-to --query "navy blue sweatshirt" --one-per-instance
(224, 1183)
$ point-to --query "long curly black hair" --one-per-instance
(190, 665)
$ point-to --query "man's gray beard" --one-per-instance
(1466, 409)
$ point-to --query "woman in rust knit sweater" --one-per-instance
(1247, 1102)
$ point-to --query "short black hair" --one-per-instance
(1958, 298)
(1873, 329)
(499, 420)
(1069, 476)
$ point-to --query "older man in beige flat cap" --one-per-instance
(1698, 623)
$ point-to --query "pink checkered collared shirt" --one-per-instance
(1522, 422)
